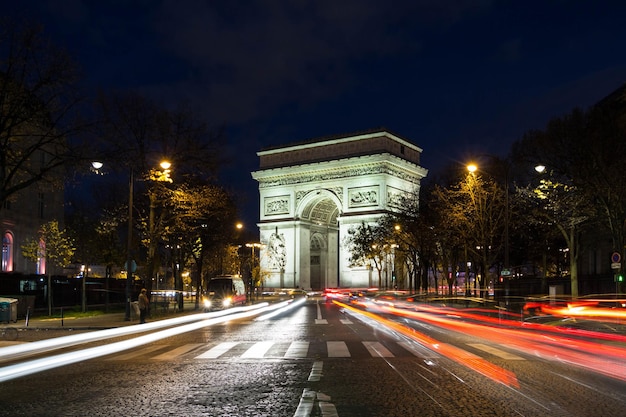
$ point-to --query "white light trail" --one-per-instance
(286, 306)
(16, 351)
(26, 368)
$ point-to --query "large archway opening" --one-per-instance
(320, 215)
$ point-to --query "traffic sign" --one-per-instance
(133, 266)
(616, 257)
(505, 272)
(616, 265)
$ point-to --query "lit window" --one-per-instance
(7, 252)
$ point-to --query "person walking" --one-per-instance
(144, 305)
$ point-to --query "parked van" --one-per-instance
(225, 291)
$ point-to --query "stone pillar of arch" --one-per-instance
(312, 193)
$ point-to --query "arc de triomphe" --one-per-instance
(312, 193)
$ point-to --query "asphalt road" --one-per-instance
(315, 360)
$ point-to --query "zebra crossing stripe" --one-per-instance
(337, 350)
(136, 353)
(257, 351)
(377, 349)
(418, 350)
(181, 350)
(298, 349)
(496, 352)
(218, 350)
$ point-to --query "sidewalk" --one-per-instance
(97, 322)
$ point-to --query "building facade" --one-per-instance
(21, 219)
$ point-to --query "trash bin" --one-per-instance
(5, 312)
(8, 310)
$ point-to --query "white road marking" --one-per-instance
(377, 349)
(497, 352)
(136, 353)
(181, 350)
(418, 350)
(337, 350)
(258, 350)
(316, 371)
(319, 319)
(217, 351)
(298, 349)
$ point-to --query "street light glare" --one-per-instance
(540, 168)
(165, 164)
(472, 167)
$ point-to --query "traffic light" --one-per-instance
(620, 278)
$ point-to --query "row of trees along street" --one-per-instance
(558, 194)
(52, 129)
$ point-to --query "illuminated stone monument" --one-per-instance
(312, 193)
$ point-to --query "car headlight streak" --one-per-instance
(286, 305)
(198, 321)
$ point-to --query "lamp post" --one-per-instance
(239, 227)
(157, 175)
(252, 262)
(95, 168)
(130, 264)
(85, 273)
(129, 244)
(393, 266)
(472, 168)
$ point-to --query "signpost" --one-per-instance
(616, 266)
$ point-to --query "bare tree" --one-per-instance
(37, 110)
(205, 216)
(136, 134)
(368, 246)
(475, 209)
(564, 206)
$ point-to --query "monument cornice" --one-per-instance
(341, 168)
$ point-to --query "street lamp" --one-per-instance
(96, 165)
(252, 246)
(162, 175)
(130, 265)
(473, 168)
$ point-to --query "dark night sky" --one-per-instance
(454, 77)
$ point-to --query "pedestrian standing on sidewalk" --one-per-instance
(144, 304)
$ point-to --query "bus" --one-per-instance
(225, 291)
